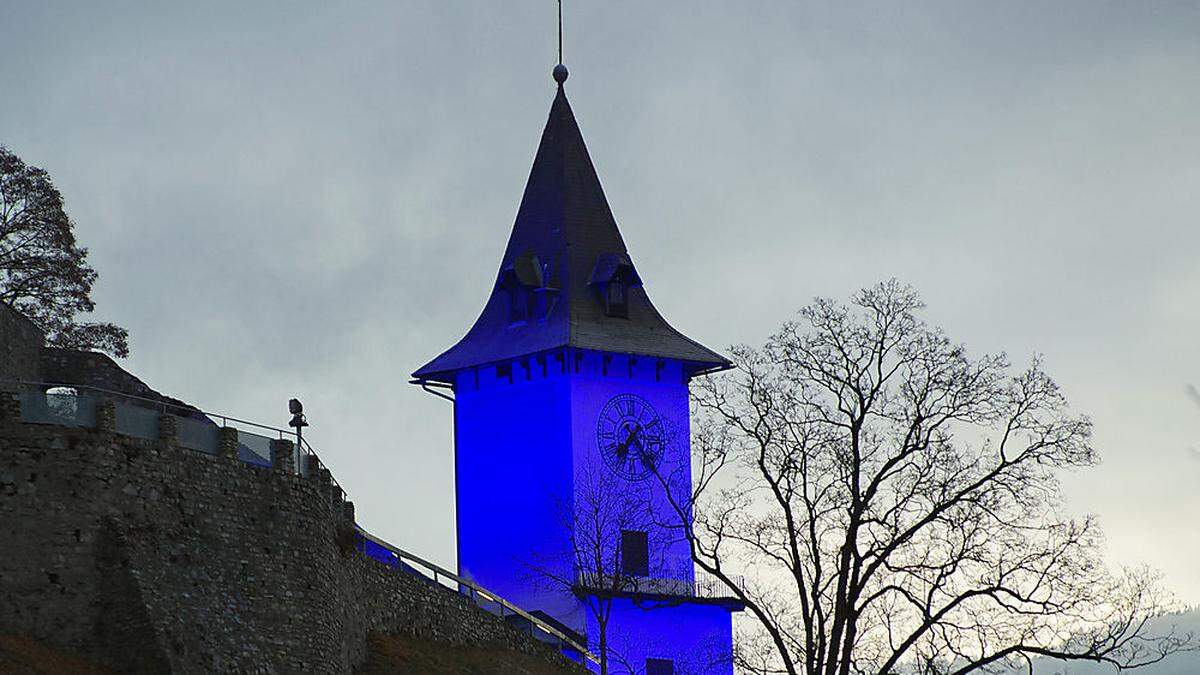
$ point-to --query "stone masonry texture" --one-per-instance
(149, 558)
(20, 345)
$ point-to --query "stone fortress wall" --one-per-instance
(150, 558)
(20, 345)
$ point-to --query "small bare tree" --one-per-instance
(603, 506)
(894, 505)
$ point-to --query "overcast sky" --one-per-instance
(310, 200)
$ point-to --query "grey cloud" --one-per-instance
(311, 200)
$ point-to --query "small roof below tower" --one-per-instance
(566, 279)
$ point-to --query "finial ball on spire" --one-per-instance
(560, 73)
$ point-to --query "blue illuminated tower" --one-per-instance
(570, 377)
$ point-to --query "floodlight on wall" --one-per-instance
(298, 421)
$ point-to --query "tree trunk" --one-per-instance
(603, 638)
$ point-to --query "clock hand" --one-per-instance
(623, 447)
(632, 441)
(645, 454)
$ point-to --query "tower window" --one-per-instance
(660, 667)
(616, 300)
(518, 281)
(611, 280)
(520, 302)
(635, 553)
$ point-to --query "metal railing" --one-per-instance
(708, 586)
(196, 427)
(479, 595)
(701, 587)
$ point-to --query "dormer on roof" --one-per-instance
(612, 279)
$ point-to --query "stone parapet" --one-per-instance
(283, 456)
(312, 466)
(10, 407)
(227, 442)
(20, 346)
(168, 430)
(106, 415)
(325, 484)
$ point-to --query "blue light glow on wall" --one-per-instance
(513, 480)
(526, 438)
(696, 637)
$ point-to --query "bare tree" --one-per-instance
(595, 571)
(894, 505)
(43, 273)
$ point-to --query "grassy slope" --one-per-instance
(388, 654)
(22, 656)
(400, 655)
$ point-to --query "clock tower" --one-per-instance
(571, 408)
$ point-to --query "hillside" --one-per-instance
(387, 655)
(1179, 664)
(22, 656)
(407, 655)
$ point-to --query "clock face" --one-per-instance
(631, 436)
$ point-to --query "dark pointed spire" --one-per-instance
(564, 252)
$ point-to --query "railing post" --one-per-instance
(283, 456)
(227, 442)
